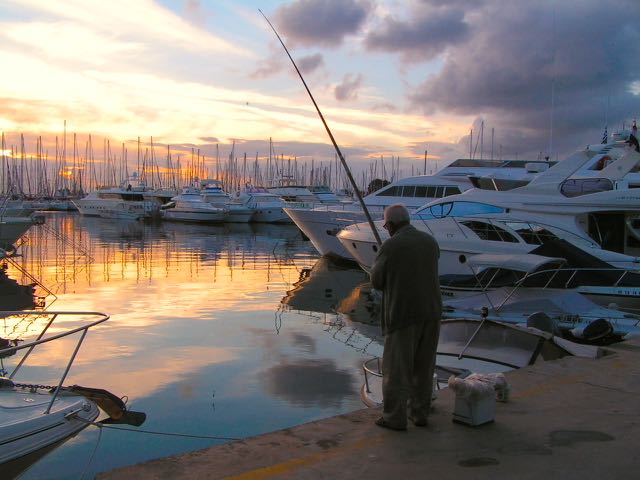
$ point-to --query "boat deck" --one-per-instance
(573, 418)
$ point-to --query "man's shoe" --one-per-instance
(381, 422)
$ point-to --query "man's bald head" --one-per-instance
(396, 216)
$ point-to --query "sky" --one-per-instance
(392, 78)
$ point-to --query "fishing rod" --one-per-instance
(335, 145)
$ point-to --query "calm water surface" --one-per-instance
(227, 331)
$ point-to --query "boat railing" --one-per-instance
(622, 273)
(369, 370)
(554, 272)
(40, 340)
(373, 367)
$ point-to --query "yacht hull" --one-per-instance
(11, 229)
(238, 214)
(322, 226)
(193, 217)
(25, 428)
(129, 210)
(270, 215)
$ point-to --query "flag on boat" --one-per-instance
(604, 135)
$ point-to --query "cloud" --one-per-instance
(513, 58)
(67, 40)
(268, 67)
(321, 22)
(309, 382)
(310, 63)
(425, 35)
(348, 89)
(142, 19)
(195, 12)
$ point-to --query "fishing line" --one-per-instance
(335, 144)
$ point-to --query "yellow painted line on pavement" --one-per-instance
(296, 463)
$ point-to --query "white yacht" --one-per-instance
(292, 193)
(189, 206)
(213, 193)
(589, 213)
(322, 223)
(266, 206)
(325, 195)
(15, 207)
(125, 201)
(159, 196)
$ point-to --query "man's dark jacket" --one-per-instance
(406, 270)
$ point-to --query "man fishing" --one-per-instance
(406, 271)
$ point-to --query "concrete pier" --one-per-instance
(573, 418)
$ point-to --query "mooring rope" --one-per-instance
(155, 432)
(93, 453)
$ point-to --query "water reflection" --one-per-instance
(310, 382)
(198, 337)
(332, 286)
(14, 296)
(341, 292)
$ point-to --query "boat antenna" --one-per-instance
(553, 84)
(335, 145)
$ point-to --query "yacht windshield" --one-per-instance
(584, 186)
(489, 231)
(531, 233)
(457, 209)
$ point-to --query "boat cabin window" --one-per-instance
(409, 191)
(457, 209)
(584, 186)
(132, 197)
(251, 189)
(420, 191)
(531, 233)
(394, 191)
(488, 231)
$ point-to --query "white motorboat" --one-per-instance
(125, 201)
(266, 206)
(36, 417)
(322, 224)
(213, 193)
(32, 417)
(325, 195)
(471, 346)
(189, 206)
(605, 223)
(589, 170)
(294, 194)
(564, 268)
(566, 310)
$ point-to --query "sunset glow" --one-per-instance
(207, 73)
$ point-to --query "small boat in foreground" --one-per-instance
(35, 417)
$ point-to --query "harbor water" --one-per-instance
(215, 331)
